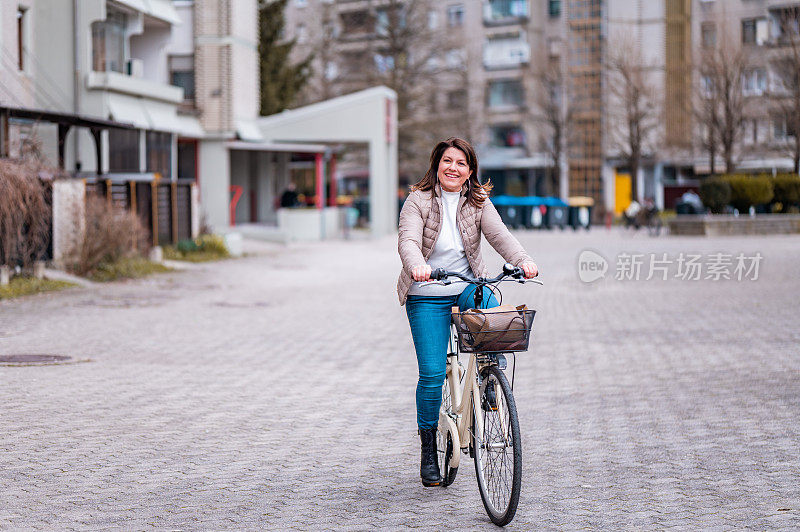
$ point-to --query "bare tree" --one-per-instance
(704, 110)
(787, 70)
(554, 112)
(417, 62)
(321, 86)
(724, 110)
(399, 48)
(635, 111)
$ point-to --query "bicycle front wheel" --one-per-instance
(498, 450)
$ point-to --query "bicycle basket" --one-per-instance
(502, 329)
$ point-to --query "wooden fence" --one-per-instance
(165, 207)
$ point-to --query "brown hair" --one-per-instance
(476, 192)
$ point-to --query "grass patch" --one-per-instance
(204, 248)
(25, 286)
(126, 268)
(171, 253)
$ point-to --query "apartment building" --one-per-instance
(38, 112)
(513, 47)
(509, 47)
(768, 34)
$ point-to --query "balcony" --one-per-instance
(496, 12)
(122, 83)
(506, 53)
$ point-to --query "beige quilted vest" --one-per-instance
(421, 221)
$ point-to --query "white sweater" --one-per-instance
(448, 253)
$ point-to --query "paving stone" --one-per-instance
(276, 392)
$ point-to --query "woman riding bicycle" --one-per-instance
(440, 227)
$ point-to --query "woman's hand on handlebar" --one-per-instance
(421, 273)
(530, 269)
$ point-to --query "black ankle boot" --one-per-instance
(429, 466)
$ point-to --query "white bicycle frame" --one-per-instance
(463, 401)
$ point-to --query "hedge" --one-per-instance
(715, 193)
(787, 190)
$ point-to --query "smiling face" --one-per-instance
(453, 170)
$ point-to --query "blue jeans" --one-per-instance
(429, 318)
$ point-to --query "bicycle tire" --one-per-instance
(444, 442)
(499, 493)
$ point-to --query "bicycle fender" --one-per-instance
(446, 425)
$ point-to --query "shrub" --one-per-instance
(748, 191)
(110, 235)
(715, 193)
(204, 248)
(187, 246)
(213, 244)
(787, 190)
(24, 214)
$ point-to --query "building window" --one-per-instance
(21, 38)
(505, 93)
(123, 150)
(506, 50)
(749, 31)
(585, 9)
(457, 99)
(355, 22)
(751, 132)
(108, 43)
(505, 9)
(384, 19)
(383, 62)
(754, 82)
(783, 128)
(301, 3)
(785, 23)
(554, 8)
(352, 64)
(507, 136)
(187, 159)
(433, 20)
(708, 34)
(455, 59)
(455, 15)
(331, 70)
(159, 153)
(181, 74)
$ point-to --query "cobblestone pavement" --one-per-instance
(276, 392)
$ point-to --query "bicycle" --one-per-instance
(478, 413)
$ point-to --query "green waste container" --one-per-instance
(580, 212)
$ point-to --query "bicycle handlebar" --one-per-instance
(440, 274)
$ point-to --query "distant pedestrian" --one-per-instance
(440, 227)
(290, 198)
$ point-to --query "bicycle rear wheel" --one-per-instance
(498, 451)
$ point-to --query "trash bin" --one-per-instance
(511, 209)
(535, 217)
(580, 211)
(532, 217)
(556, 215)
